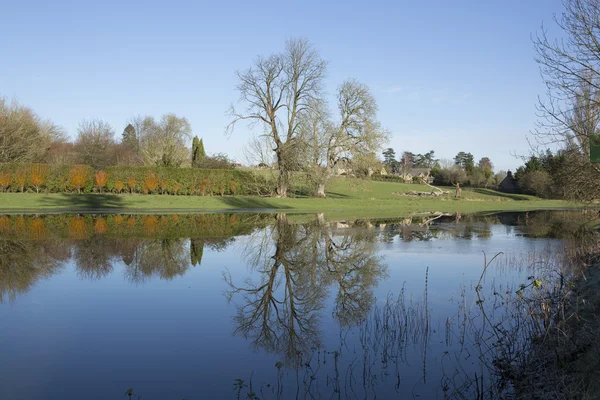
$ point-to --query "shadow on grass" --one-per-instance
(252, 203)
(83, 201)
(335, 195)
(512, 196)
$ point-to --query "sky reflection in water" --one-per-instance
(181, 306)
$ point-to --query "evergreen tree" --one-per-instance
(196, 251)
(201, 152)
(130, 138)
(195, 152)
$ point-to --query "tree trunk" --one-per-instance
(321, 190)
(282, 179)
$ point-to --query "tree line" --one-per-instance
(461, 170)
(165, 142)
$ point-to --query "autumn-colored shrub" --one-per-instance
(119, 186)
(37, 229)
(150, 225)
(4, 180)
(118, 219)
(37, 175)
(100, 180)
(233, 186)
(4, 224)
(78, 228)
(164, 185)
(131, 222)
(131, 183)
(21, 178)
(79, 177)
(151, 182)
(100, 226)
(175, 188)
(204, 186)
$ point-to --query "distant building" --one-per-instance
(509, 184)
(417, 174)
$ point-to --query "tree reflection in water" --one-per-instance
(279, 310)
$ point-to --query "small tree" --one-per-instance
(21, 179)
(131, 184)
(119, 186)
(233, 187)
(38, 175)
(151, 182)
(175, 188)
(4, 180)
(100, 179)
(78, 177)
(164, 185)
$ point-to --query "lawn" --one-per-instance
(346, 198)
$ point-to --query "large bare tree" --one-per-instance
(277, 91)
(164, 143)
(95, 143)
(357, 132)
(569, 112)
(24, 137)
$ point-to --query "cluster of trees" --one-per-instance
(27, 138)
(545, 175)
(283, 94)
(407, 161)
(461, 170)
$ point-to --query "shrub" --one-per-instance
(151, 182)
(21, 178)
(79, 177)
(38, 174)
(100, 179)
(233, 187)
(119, 186)
(4, 180)
(131, 183)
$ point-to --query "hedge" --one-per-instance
(46, 177)
(127, 179)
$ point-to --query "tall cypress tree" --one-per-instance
(195, 152)
(201, 152)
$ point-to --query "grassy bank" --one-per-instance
(346, 198)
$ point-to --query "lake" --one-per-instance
(270, 306)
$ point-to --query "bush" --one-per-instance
(100, 179)
(538, 183)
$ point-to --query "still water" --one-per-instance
(256, 306)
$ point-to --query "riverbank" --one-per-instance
(361, 199)
(565, 363)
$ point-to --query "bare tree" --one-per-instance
(356, 133)
(278, 91)
(95, 143)
(24, 137)
(164, 143)
(569, 112)
(258, 151)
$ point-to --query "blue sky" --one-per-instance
(448, 76)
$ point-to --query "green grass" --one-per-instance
(346, 198)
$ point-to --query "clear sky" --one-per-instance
(448, 76)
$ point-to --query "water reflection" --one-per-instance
(306, 294)
(308, 256)
(279, 308)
